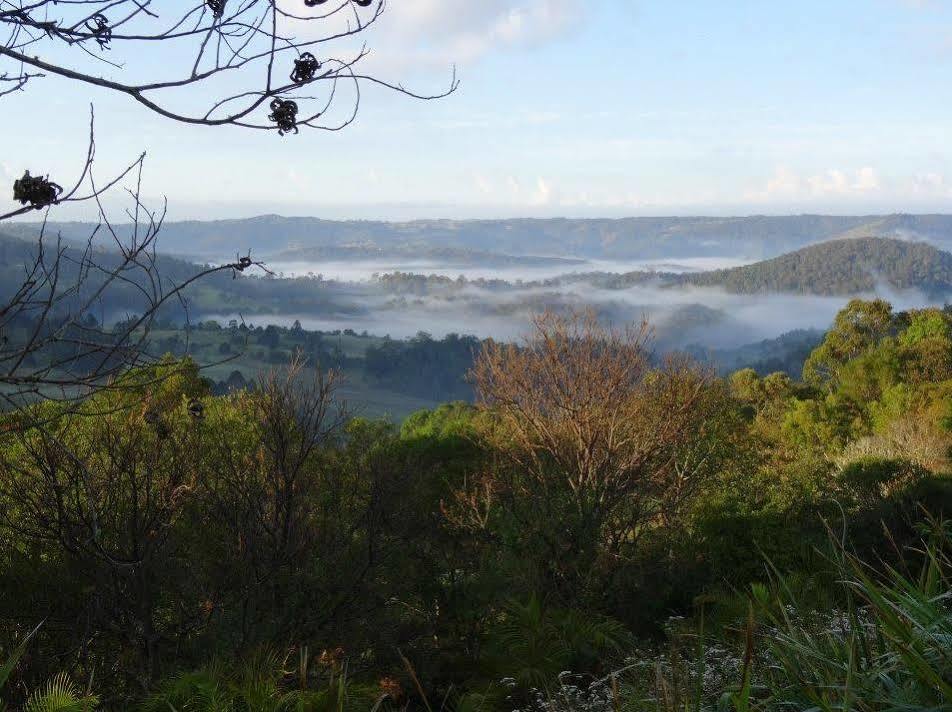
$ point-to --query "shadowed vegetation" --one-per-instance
(604, 528)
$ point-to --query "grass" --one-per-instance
(886, 645)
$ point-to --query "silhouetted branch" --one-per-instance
(52, 345)
(269, 50)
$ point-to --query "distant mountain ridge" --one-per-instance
(443, 256)
(754, 237)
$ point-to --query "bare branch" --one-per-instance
(255, 43)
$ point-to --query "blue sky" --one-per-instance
(598, 108)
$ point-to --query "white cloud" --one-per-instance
(543, 193)
(785, 184)
(442, 32)
(832, 181)
(483, 184)
(866, 179)
(933, 185)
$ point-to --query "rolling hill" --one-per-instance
(838, 268)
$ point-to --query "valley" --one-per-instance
(726, 310)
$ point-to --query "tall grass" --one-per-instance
(886, 645)
(266, 682)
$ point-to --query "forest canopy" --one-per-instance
(268, 542)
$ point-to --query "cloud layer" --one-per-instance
(441, 32)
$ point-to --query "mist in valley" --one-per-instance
(366, 270)
(680, 315)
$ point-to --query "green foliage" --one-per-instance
(60, 695)
(926, 324)
(856, 329)
(871, 478)
(261, 684)
(532, 643)
(187, 543)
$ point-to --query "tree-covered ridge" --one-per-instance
(839, 267)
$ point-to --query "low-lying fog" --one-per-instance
(680, 315)
(361, 271)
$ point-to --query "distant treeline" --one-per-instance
(423, 367)
(839, 267)
(427, 367)
(755, 236)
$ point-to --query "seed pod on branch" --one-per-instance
(37, 191)
(202, 40)
(284, 115)
(217, 7)
(99, 26)
(304, 68)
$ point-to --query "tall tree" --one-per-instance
(602, 443)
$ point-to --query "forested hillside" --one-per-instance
(604, 530)
(840, 267)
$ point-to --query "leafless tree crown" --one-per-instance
(278, 65)
(55, 339)
(275, 65)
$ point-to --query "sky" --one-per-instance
(566, 108)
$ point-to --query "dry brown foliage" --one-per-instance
(585, 413)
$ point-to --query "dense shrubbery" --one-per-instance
(262, 550)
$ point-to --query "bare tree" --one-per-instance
(277, 65)
(52, 345)
(285, 513)
(104, 494)
(248, 63)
